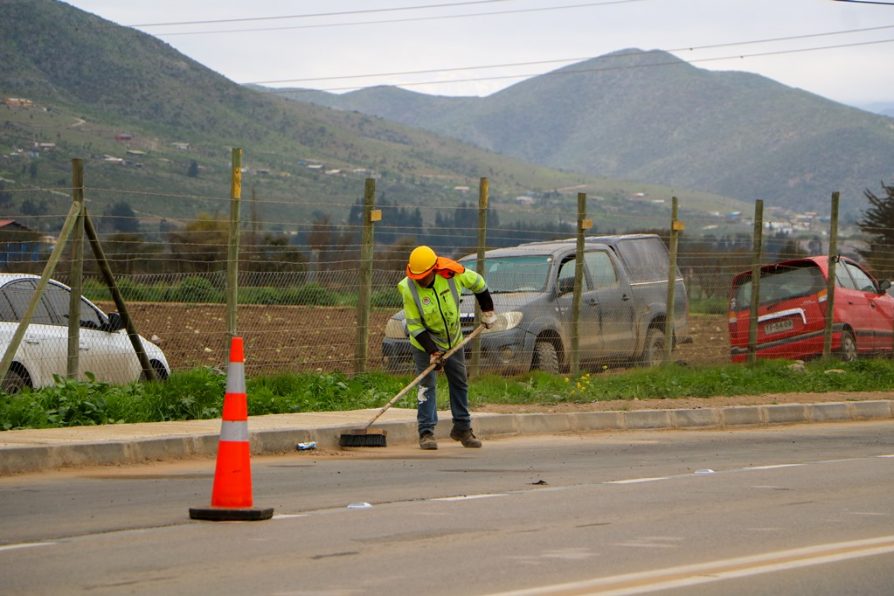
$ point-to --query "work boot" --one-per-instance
(466, 437)
(427, 441)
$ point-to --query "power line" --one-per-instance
(318, 14)
(866, 2)
(610, 68)
(560, 60)
(405, 20)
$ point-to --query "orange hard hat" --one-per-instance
(422, 261)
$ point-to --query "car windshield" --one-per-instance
(515, 274)
(780, 284)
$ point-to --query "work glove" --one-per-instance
(488, 319)
(436, 358)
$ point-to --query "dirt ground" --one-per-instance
(302, 338)
(307, 338)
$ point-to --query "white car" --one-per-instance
(105, 349)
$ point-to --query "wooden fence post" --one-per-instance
(109, 278)
(76, 279)
(676, 228)
(233, 245)
(830, 282)
(756, 257)
(483, 189)
(370, 215)
(583, 224)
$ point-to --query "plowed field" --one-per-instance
(308, 338)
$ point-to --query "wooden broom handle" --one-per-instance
(425, 372)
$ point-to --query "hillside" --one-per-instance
(646, 115)
(155, 129)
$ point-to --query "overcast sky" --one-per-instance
(822, 46)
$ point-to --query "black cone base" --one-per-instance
(220, 514)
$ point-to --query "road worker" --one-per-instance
(431, 293)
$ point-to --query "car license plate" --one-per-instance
(778, 326)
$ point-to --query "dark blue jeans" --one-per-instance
(426, 399)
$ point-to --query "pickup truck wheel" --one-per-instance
(653, 352)
(545, 357)
(848, 350)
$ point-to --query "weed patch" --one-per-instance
(198, 393)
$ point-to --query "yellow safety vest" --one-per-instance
(436, 309)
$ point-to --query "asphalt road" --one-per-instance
(784, 510)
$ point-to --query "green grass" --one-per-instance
(198, 393)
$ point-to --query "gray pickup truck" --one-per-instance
(622, 312)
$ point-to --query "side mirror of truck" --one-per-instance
(566, 285)
(884, 285)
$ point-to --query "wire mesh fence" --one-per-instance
(299, 281)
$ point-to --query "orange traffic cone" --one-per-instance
(231, 495)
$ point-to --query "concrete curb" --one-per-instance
(160, 443)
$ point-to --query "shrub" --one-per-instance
(315, 295)
(195, 289)
(386, 298)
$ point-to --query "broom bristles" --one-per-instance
(362, 438)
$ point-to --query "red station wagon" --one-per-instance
(793, 306)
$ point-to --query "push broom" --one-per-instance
(365, 437)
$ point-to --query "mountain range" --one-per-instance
(155, 129)
(649, 116)
(630, 129)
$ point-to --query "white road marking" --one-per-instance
(637, 480)
(288, 515)
(653, 542)
(25, 545)
(470, 497)
(775, 467)
(737, 567)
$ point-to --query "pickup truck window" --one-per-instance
(514, 274)
(566, 276)
(602, 269)
(646, 259)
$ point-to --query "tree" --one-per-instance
(878, 224)
(193, 170)
(201, 246)
(120, 217)
(33, 208)
(5, 197)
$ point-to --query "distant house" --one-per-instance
(17, 102)
(181, 146)
(123, 136)
(19, 243)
